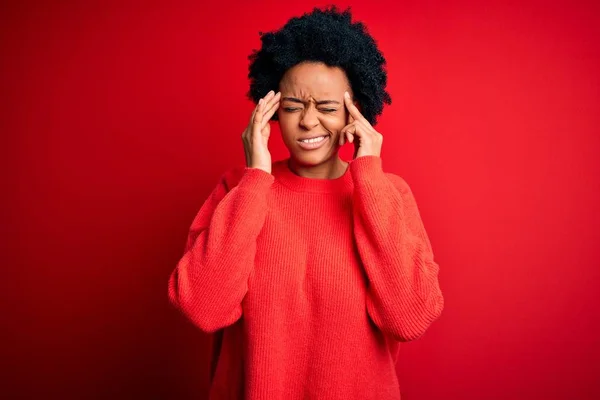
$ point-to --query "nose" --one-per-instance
(309, 118)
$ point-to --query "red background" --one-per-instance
(118, 119)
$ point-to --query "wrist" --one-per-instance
(261, 167)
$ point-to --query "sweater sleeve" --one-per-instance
(403, 296)
(211, 279)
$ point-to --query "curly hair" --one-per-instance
(326, 36)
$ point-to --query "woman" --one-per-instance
(310, 269)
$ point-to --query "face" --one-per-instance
(312, 105)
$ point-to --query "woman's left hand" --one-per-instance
(367, 141)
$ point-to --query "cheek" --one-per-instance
(285, 120)
(333, 123)
(287, 127)
(289, 123)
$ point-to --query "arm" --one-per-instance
(211, 279)
(403, 297)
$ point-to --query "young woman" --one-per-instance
(311, 269)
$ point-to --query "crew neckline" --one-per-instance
(299, 183)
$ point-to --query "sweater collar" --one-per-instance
(298, 183)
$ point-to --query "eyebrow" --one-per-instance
(321, 102)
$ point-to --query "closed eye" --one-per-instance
(292, 109)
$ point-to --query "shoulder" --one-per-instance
(232, 176)
(400, 183)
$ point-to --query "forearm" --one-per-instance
(403, 296)
(210, 280)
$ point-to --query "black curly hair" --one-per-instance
(326, 36)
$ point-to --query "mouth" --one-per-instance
(313, 143)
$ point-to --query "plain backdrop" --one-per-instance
(118, 118)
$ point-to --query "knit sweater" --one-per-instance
(310, 283)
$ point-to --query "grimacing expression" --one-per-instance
(312, 104)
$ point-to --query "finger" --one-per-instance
(345, 130)
(269, 97)
(365, 133)
(259, 113)
(254, 112)
(268, 104)
(269, 100)
(352, 109)
(260, 107)
(356, 131)
(270, 109)
(272, 99)
(343, 139)
(350, 118)
(269, 114)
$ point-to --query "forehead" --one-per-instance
(314, 79)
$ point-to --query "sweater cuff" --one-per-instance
(255, 179)
(366, 168)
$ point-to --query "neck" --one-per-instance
(333, 168)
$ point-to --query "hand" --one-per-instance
(256, 135)
(367, 141)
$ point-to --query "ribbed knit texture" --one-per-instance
(312, 283)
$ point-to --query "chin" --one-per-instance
(311, 158)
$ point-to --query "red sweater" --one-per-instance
(311, 283)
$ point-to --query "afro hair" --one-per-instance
(326, 36)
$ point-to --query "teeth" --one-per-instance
(314, 140)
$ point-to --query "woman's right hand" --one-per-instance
(256, 135)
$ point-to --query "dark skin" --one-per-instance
(314, 100)
(312, 104)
